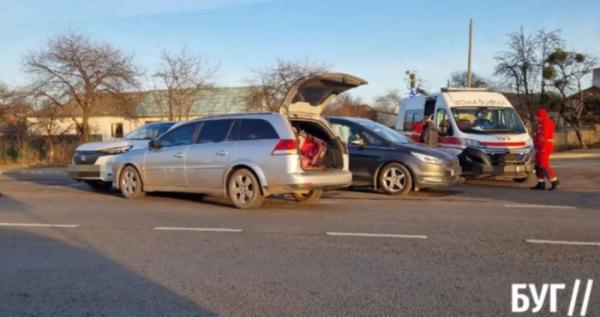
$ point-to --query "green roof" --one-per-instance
(210, 101)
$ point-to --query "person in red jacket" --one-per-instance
(543, 141)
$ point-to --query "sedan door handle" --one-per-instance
(221, 153)
(179, 155)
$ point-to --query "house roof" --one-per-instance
(209, 101)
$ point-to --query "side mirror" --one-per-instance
(154, 144)
(360, 142)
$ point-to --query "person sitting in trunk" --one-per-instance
(312, 151)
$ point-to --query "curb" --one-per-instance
(36, 171)
(563, 156)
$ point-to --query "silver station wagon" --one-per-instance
(248, 157)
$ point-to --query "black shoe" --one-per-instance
(554, 184)
(540, 186)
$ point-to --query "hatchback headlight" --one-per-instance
(117, 150)
(427, 158)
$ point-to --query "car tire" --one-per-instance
(394, 179)
(308, 197)
(100, 186)
(130, 183)
(244, 190)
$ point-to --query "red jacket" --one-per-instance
(543, 138)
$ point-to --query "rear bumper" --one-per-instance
(476, 163)
(310, 180)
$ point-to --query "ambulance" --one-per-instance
(478, 126)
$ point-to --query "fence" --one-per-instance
(567, 139)
(36, 150)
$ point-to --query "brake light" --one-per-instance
(285, 147)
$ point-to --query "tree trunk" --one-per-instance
(577, 128)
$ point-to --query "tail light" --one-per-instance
(285, 147)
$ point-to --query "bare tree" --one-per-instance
(183, 75)
(350, 106)
(73, 69)
(547, 42)
(566, 71)
(519, 67)
(459, 79)
(48, 122)
(387, 107)
(269, 85)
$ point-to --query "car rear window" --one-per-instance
(253, 129)
(214, 131)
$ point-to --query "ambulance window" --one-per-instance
(429, 106)
(410, 117)
(442, 123)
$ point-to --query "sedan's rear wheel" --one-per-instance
(309, 196)
(395, 179)
(130, 183)
(244, 190)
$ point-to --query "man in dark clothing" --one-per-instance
(430, 134)
(543, 140)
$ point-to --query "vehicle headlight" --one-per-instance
(427, 158)
(117, 150)
(472, 143)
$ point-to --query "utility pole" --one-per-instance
(469, 73)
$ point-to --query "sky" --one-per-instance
(376, 40)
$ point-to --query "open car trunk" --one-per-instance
(328, 155)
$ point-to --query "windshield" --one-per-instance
(486, 120)
(383, 131)
(149, 131)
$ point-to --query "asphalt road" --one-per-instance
(451, 252)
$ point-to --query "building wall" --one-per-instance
(103, 126)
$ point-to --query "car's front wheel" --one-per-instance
(130, 183)
(395, 179)
(244, 190)
(310, 196)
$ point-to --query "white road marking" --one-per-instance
(197, 229)
(538, 206)
(376, 235)
(580, 243)
(43, 225)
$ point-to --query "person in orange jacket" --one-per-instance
(543, 141)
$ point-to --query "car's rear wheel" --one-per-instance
(395, 179)
(99, 185)
(244, 190)
(307, 197)
(130, 183)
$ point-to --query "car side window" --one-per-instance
(345, 132)
(214, 131)
(371, 139)
(179, 136)
(252, 129)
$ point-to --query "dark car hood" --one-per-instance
(424, 149)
